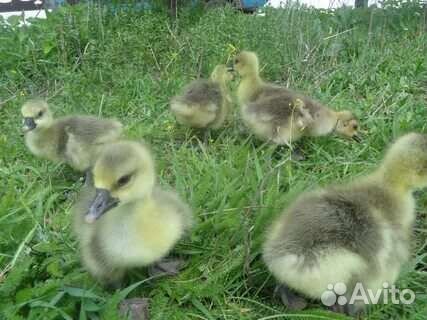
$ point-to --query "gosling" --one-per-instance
(75, 140)
(355, 233)
(122, 219)
(204, 103)
(282, 116)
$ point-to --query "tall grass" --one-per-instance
(90, 60)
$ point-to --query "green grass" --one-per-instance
(89, 61)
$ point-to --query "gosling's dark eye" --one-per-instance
(355, 126)
(40, 114)
(123, 180)
(236, 61)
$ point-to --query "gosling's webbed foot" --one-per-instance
(297, 155)
(290, 299)
(113, 285)
(88, 178)
(338, 308)
(166, 267)
(135, 309)
(206, 137)
(113, 280)
(348, 309)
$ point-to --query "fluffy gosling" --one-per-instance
(126, 220)
(357, 232)
(204, 103)
(75, 140)
(280, 115)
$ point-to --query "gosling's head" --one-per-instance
(406, 161)
(123, 172)
(221, 74)
(36, 115)
(347, 125)
(246, 63)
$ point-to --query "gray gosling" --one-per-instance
(204, 103)
(75, 140)
(280, 115)
(122, 219)
(355, 233)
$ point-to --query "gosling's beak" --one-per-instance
(230, 66)
(29, 124)
(100, 205)
(231, 71)
(357, 138)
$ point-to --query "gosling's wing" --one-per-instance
(202, 93)
(333, 218)
(271, 90)
(278, 108)
(91, 130)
